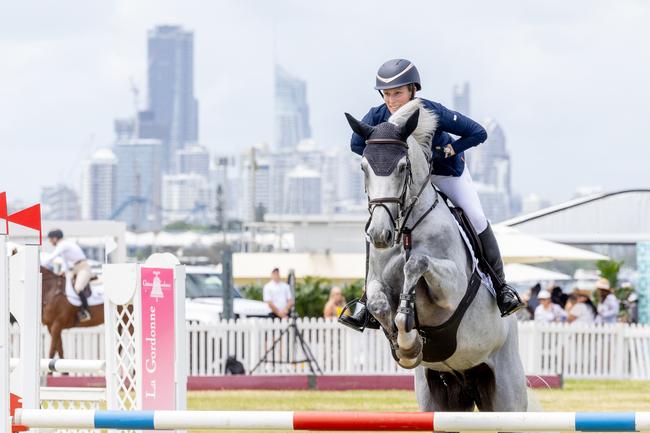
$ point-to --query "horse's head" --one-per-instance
(387, 174)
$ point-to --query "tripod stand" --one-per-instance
(297, 335)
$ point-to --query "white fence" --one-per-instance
(604, 352)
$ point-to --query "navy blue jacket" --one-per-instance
(469, 132)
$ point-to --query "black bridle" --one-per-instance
(404, 210)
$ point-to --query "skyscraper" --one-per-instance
(59, 202)
(291, 110)
(98, 185)
(489, 164)
(194, 159)
(138, 183)
(303, 191)
(186, 197)
(172, 116)
(461, 98)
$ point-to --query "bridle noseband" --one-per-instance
(403, 210)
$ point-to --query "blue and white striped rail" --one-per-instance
(332, 421)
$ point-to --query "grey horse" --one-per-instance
(484, 369)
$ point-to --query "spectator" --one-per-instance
(334, 304)
(609, 304)
(533, 302)
(278, 295)
(547, 311)
(581, 310)
(632, 307)
(558, 296)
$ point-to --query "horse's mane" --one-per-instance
(427, 123)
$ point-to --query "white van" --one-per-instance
(204, 297)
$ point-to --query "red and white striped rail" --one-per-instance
(336, 421)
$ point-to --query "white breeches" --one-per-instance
(462, 193)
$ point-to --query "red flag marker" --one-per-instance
(29, 218)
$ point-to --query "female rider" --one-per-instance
(397, 81)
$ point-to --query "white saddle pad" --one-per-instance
(96, 298)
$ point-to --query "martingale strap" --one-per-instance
(439, 342)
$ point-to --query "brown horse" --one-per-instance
(59, 313)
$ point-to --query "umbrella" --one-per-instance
(517, 247)
(518, 273)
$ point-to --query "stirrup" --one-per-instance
(359, 319)
(83, 315)
(512, 309)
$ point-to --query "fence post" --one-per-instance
(5, 421)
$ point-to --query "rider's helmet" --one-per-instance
(396, 73)
(56, 233)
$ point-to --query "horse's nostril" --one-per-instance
(389, 237)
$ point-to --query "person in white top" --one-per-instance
(582, 311)
(278, 295)
(547, 311)
(74, 261)
(609, 303)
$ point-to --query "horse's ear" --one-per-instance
(363, 129)
(410, 124)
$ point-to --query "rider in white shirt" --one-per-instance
(609, 305)
(75, 262)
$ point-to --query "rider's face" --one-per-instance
(395, 98)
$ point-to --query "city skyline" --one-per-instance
(546, 88)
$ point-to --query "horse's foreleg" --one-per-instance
(379, 304)
(55, 341)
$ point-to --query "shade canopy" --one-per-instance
(517, 247)
(519, 273)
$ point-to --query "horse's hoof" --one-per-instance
(410, 364)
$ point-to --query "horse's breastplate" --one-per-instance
(439, 342)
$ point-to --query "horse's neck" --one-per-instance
(440, 221)
(420, 176)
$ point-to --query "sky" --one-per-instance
(567, 81)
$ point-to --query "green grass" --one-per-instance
(575, 396)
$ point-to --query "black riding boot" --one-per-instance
(83, 314)
(508, 299)
(361, 318)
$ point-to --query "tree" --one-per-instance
(609, 269)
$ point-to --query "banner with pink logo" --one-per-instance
(158, 352)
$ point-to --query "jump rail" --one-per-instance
(341, 421)
(67, 365)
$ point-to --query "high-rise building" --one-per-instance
(98, 185)
(226, 186)
(461, 101)
(256, 185)
(490, 161)
(489, 164)
(194, 159)
(59, 202)
(186, 197)
(280, 163)
(303, 192)
(291, 110)
(138, 183)
(172, 115)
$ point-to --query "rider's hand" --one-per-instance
(443, 152)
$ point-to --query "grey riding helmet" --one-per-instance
(396, 73)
